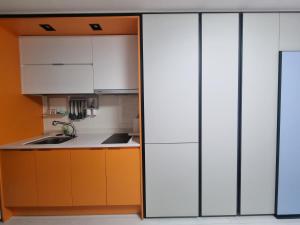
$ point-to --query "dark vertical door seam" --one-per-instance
(239, 138)
(200, 114)
(278, 131)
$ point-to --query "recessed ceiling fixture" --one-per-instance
(95, 26)
(47, 27)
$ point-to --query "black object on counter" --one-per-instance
(118, 138)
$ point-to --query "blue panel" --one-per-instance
(289, 147)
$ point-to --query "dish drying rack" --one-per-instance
(76, 107)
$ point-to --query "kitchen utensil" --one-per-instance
(76, 109)
(70, 110)
(88, 112)
(85, 109)
(73, 110)
(80, 115)
(94, 112)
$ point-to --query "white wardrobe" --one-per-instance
(239, 56)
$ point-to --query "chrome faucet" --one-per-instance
(74, 132)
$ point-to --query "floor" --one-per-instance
(135, 220)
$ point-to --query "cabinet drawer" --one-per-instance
(49, 50)
(57, 79)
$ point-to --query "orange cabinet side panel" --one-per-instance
(19, 178)
(88, 177)
(20, 116)
(54, 178)
(5, 212)
(123, 176)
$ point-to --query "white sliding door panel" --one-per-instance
(172, 180)
(220, 45)
(171, 77)
(259, 112)
(289, 32)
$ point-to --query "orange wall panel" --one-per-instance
(20, 116)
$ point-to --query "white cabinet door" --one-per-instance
(289, 32)
(52, 50)
(62, 79)
(259, 112)
(172, 180)
(220, 44)
(171, 77)
(115, 60)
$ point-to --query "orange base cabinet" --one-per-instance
(19, 178)
(88, 177)
(62, 181)
(54, 177)
(123, 176)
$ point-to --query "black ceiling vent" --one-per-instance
(95, 26)
(47, 27)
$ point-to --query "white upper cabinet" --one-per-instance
(57, 79)
(115, 60)
(289, 31)
(56, 50)
(40, 75)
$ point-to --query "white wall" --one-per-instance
(115, 113)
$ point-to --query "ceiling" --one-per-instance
(105, 6)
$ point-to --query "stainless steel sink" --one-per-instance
(50, 140)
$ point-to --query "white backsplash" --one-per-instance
(115, 114)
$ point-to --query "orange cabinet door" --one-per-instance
(88, 177)
(19, 178)
(123, 176)
(54, 178)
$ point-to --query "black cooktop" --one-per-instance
(118, 138)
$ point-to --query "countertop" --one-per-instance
(91, 140)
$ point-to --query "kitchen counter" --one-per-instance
(91, 140)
